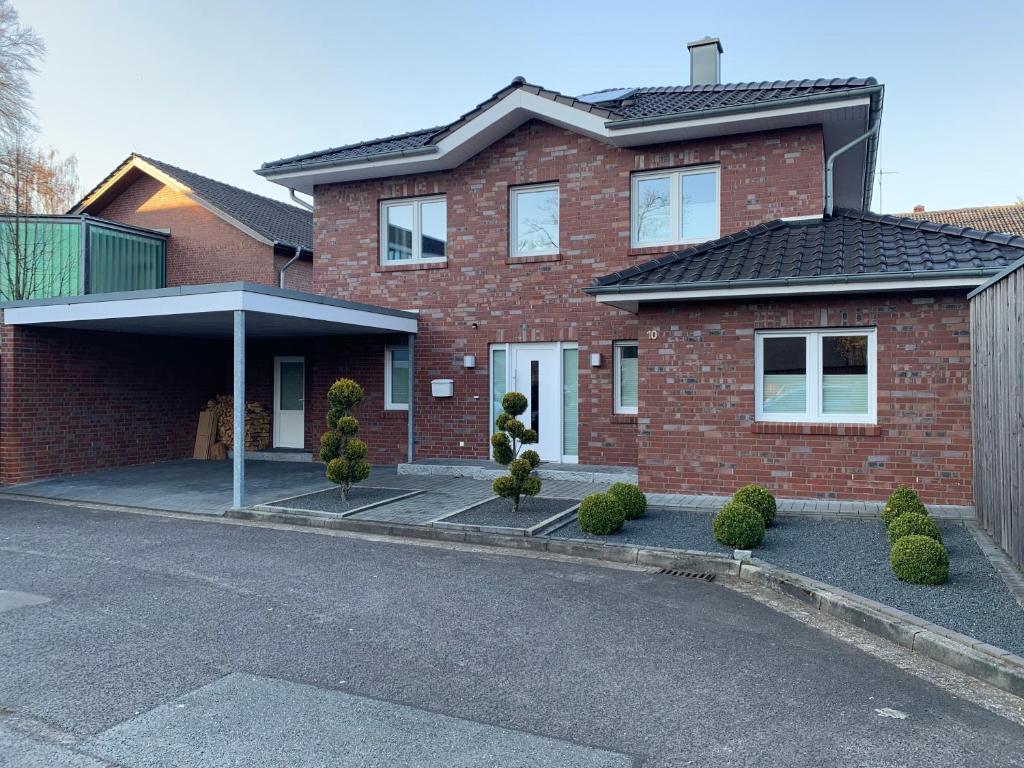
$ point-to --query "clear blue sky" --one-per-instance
(222, 85)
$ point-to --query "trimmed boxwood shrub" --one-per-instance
(913, 524)
(919, 560)
(900, 502)
(738, 525)
(630, 498)
(601, 514)
(758, 499)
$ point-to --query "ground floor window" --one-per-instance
(626, 373)
(396, 378)
(816, 376)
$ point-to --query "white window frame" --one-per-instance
(417, 230)
(617, 406)
(815, 380)
(675, 176)
(389, 405)
(513, 218)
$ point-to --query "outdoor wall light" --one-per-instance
(595, 359)
(469, 361)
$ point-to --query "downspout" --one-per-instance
(299, 200)
(829, 193)
(292, 260)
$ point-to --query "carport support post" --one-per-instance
(238, 465)
(411, 414)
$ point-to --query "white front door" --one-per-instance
(289, 402)
(537, 373)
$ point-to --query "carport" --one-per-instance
(236, 311)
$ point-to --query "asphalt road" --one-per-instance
(167, 642)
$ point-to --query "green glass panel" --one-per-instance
(499, 381)
(121, 261)
(570, 402)
(39, 258)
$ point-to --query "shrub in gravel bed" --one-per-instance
(901, 501)
(919, 560)
(738, 525)
(913, 524)
(630, 498)
(758, 499)
(601, 514)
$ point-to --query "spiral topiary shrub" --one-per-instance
(913, 524)
(900, 502)
(919, 560)
(738, 525)
(601, 514)
(758, 499)
(507, 442)
(340, 449)
(630, 498)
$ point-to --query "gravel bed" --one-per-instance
(331, 501)
(854, 555)
(498, 512)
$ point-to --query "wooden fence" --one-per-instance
(997, 408)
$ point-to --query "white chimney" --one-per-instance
(705, 61)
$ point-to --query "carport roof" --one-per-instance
(207, 311)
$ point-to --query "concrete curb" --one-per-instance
(490, 473)
(995, 666)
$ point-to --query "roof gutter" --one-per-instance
(875, 277)
(812, 98)
(394, 155)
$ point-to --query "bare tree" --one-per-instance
(21, 50)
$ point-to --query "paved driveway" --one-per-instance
(181, 486)
(171, 642)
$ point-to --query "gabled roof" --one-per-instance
(847, 248)
(268, 220)
(628, 117)
(996, 218)
(638, 103)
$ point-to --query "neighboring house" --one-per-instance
(217, 232)
(681, 279)
(987, 218)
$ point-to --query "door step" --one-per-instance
(544, 472)
(276, 455)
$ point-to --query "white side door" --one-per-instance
(537, 373)
(289, 402)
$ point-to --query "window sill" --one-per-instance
(803, 428)
(537, 259)
(413, 266)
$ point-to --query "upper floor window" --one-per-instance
(533, 225)
(826, 376)
(675, 207)
(414, 230)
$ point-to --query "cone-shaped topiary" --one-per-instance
(340, 449)
(737, 525)
(919, 560)
(630, 498)
(913, 524)
(506, 443)
(900, 502)
(601, 514)
(758, 499)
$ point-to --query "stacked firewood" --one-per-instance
(257, 423)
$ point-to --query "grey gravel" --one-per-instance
(498, 512)
(854, 555)
(332, 502)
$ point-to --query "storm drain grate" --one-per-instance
(687, 574)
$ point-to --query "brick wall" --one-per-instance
(298, 277)
(74, 401)
(697, 431)
(203, 248)
(481, 297)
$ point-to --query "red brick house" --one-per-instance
(680, 279)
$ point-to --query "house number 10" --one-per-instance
(652, 334)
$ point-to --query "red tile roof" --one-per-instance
(987, 218)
